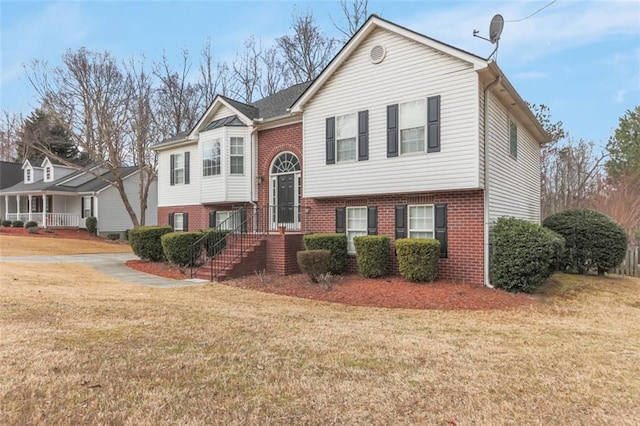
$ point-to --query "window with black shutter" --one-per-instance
(401, 221)
(372, 220)
(212, 219)
(441, 228)
(187, 155)
(340, 220)
(331, 140)
(363, 135)
(392, 130)
(433, 124)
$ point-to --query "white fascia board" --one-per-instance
(218, 100)
(176, 144)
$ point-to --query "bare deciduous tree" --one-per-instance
(10, 126)
(620, 200)
(246, 69)
(92, 97)
(209, 79)
(355, 13)
(307, 51)
(275, 74)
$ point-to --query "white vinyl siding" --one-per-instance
(356, 225)
(179, 195)
(513, 139)
(514, 186)
(110, 211)
(412, 122)
(421, 221)
(346, 137)
(410, 71)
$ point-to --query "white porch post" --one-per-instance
(30, 206)
(6, 204)
(17, 207)
(44, 210)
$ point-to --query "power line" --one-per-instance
(539, 10)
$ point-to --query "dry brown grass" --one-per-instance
(31, 246)
(80, 348)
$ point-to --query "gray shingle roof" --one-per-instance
(10, 174)
(278, 103)
(248, 111)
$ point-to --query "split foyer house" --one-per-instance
(55, 195)
(400, 135)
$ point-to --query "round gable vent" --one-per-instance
(377, 54)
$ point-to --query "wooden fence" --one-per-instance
(631, 263)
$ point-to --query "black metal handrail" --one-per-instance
(230, 239)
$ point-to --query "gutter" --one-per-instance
(487, 279)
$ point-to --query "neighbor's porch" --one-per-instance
(49, 210)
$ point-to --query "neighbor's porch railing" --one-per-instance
(51, 220)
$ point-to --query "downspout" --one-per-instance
(487, 279)
(254, 171)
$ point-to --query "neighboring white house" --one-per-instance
(400, 135)
(54, 195)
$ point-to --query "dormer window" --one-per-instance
(47, 174)
(28, 176)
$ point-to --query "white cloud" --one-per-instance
(620, 95)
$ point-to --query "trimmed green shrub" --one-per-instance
(6, 223)
(146, 241)
(92, 224)
(113, 236)
(372, 255)
(17, 224)
(557, 242)
(314, 263)
(215, 241)
(523, 254)
(593, 241)
(418, 258)
(177, 246)
(31, 224)
(335, 243)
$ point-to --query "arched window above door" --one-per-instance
(285, 163)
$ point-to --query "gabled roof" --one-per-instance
(279, 103)
(64, 184)
(10, 174)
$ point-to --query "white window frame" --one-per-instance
(28, 175)
(211, 153)
(402, 111)
(513, 125)
(230, 225)
(178, 178)
(233, 155)
(412, 231)
(351, 229)
(86, 206)
(48, 174)
(175, 221)
(346, 135)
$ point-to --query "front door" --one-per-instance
(286, 198)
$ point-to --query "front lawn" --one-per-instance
(77, 347)
(18, 242)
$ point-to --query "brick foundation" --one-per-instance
(198, 214)
(465, 229)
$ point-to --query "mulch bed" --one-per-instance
(351, 289)
(76, 234)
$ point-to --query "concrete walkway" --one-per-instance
(111, 264)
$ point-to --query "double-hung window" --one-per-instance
(228, 220)
(178, 171)
(513, 139)
(47, 176)
(356, 225)
(211, 158)
(178, 222)
(236, 156)
(421, 221)
(86, 206)
(28, 175)
(412, 121)
(346, 137)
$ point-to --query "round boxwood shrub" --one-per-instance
(335, 243)
(146, 241)
(418, 258)
(92, 224)
(523, 254)
(6, 223)
(372, 255)
(593, 241)
(31, 224)
(113, 236)
(17, 224)
(177, 247)
(314, 263)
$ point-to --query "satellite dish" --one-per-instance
(495, 29)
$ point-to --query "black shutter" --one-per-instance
(91, 198)
(82, 207)
(243, 220)
(340, 220)
(372, 220)
(363, 135)
(172, 169)
(170, 220)
(212, 219)
(433, 124)
(441, 227)
(401, 221)
(331, 140)
(392, 130)
(186, 167)
(185, 221)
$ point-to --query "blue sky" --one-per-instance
(581, 58)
